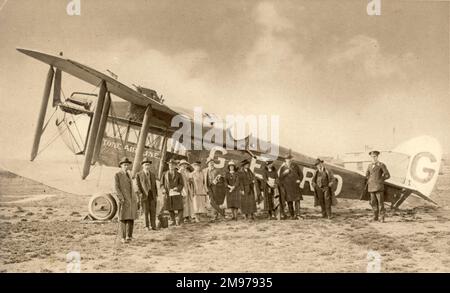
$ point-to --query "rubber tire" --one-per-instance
(110, 199)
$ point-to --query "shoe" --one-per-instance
(128, 239)
(173, 223)
(153, 229)
(375, 219)
(123, 240)
(382, 220)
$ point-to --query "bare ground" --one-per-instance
(36, 233)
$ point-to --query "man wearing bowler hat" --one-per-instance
(148, 193)
(172, 185)
(376, 174)
(127, 200)
(322, 182)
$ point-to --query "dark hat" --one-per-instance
(197, 163)
(318, 161)
(172, 162)
(245, 162)
(376, 153)
(146, 161)
(124, 160)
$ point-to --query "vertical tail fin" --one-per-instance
(425, 156)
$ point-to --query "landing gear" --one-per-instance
(102, 207)
(403, 196)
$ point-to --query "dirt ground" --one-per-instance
(40, 225)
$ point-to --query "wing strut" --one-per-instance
(140, 148)
(94, 130)
(43, 110)
(163, 156)
(101, 127)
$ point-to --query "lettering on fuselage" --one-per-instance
(217, 153)
(128, 147)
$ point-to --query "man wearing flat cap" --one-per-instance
(376, 174)
(128, 203)
(322, 183)
(148, 193)
(172, 185)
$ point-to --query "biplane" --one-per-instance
(136, 123)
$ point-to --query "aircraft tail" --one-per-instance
(421, 169)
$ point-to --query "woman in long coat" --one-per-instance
(172, 185)
(199, 191)
(247, 181)
(233, 192)
(188, 202)
(128, 202)
(270, 179)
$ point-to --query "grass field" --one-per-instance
(40, 225)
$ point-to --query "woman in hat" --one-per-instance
(215, 183)
(128, 203)
(233, 192)
(246, 182)
(270, 178)
(171, 186)
(199, 191)
(188, 204)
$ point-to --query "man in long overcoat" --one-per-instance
(148, 193)
(290, 178)
(172, 185)
(128, 203)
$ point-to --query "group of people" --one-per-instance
(188, 193)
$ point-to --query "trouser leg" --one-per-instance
(152, 212)
(327, 201)
(123, 229)
(130, 224)
(321, 198)
(380, 201)
(297, 208)
(291, 208)
(146, 207)
(374, 204)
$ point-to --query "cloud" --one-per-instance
(363, 53)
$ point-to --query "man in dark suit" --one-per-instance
(148, 193)
(127, 200)
(322, 182)
(376, 174)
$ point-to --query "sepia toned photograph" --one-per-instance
(213, 136)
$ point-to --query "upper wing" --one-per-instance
(161, 112)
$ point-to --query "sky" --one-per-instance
(338, 78)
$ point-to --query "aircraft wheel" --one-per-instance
(102, 207)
